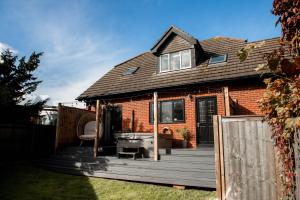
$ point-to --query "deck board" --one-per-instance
(182, 167)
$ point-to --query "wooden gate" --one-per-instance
(245, 158)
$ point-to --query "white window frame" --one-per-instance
(179, 54)
(160, 61)
(169, 61)
(190, 60)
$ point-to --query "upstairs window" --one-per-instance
(217, 59)
(164, 63)
(175, 61)
(186, 59)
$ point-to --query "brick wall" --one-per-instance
(246, 96)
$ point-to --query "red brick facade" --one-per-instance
(246, 96)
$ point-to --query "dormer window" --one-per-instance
(175, 61)
(164, 63)
(217, 59)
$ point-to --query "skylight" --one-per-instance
(130, 71)
(217, 59)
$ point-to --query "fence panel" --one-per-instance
(26, 141)
(248, 158)
(67, 121)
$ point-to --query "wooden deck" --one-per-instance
(187, 167)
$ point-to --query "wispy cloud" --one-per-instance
(4, 46)
(75, 55)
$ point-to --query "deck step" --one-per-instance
(133, 154)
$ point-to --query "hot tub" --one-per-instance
(142, 140)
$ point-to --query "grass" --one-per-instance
(27, 182)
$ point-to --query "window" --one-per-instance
(130, 71)
(164, 63)
(186, 59)
(168, 111)
(178, 114)
(218, 59)
(175, 61)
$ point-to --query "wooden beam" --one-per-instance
(57, 134)
(132, 121)
(96, 142)
(179, 187)
(217, 157)
(221, 147)
(155, 128)
(226, 101)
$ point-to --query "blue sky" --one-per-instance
(82, 40)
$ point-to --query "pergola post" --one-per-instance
(132, 121)
(57, 133)
(155, 128)
(97, 128)
(226, 101)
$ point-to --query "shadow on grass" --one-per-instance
(22, 181)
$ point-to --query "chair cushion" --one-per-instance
(89, 128)
(87, 137)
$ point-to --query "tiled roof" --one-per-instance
(147, 78)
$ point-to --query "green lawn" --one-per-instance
(27, 182)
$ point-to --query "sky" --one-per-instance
(82, 40)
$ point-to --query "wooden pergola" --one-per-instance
(230, 106)
(99, 126)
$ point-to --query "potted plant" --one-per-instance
(185, 134)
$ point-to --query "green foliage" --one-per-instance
(17, 78)
(16, 81)
(184, 133)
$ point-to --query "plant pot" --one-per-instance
(184, 144)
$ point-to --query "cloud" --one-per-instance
(76, 53)
(4, 46)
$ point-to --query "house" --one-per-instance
(189, 76)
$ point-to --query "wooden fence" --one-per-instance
(66, 127)
(18, 142)
(245, 159)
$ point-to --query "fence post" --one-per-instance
(217, 157)
(32, 144)
(222, 162)
(57, 127)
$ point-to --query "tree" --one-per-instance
(17, 80)
(281, 100)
